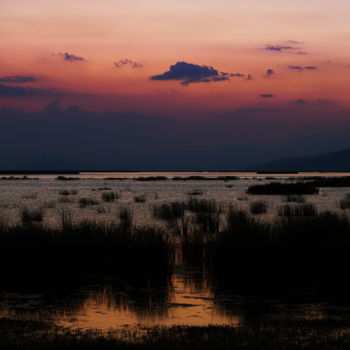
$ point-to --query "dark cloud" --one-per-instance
(127, 62)
(280, 48)
(300, 68)
(192, 73)
(18, 79)
(291, 48)
(16, 91)
(270, 73)
(295, 68)
(310, 67)
(267, 95)
(70, 57)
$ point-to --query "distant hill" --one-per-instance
(335, 161)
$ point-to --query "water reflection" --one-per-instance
(188, 299)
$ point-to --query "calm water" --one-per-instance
(132, 175)
(187, 300)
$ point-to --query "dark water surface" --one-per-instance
(187, 299)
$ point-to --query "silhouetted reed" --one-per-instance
(84, 202)
(295, 251)
(65, 178)
(203, 178)
(207, 222)
(29, 216)
(126, 218)
(195, 192)
(196, 205)
(345, 202)
(296, 198)
(277, 188)
(16, 178)
(39, 254)
(151, 178)
(109, 196)
(68, 192)
(297, 210)
(258, 207)
(169, 211)
(140, 198)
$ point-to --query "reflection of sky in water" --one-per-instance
(188, 301)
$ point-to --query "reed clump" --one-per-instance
(169, 211)
(345, 202)
(297, 210)
(109, 196)
(85, 202)
(278, 188)
(258, 207)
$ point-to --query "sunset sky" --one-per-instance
(280, 62)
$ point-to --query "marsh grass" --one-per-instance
(77, 249)
(30, 196)
(196, 205)
(203, 178)
(278, 188)
(29, 216)
(295, 198)
(17, 178)
(195, 192)
(297, 210)
(65, 178)
(49, 204)
(109, 196)
(140, 198)
(68, 192)
(151, 178)
(169, 211)
(258, 207)
(65, 199)
(207, 222)
(85, 202)
(345, 202)
(294, 251)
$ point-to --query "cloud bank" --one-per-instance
(18, 79)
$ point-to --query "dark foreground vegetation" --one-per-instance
(301, 246)
(301, 249)
(34, 253)
(310, 335)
